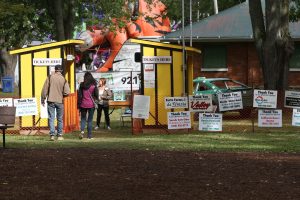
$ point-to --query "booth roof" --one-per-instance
(166, 45)
(47, 45)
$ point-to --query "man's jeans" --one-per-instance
(59, 107)
(90, 113)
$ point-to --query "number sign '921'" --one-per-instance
(128, 79)
(121, 80)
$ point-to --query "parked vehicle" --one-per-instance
(215, 86)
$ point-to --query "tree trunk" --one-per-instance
(69, 19)
(273, 42)
(8, 63)
(59, 19)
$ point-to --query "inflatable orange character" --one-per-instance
(150, 20)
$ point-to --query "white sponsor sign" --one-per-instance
(149, 76)
(157, 59)
(269, 118)
(292, 99)
(265, 98)
(44, 111)
(141, 106)
(119, 95)
(230, 101)
(46, 61)
(6, 102)
(125, 59)
(176, 102)
(210, 122)
(70, 57)
(25, 107)
(200, 103)
(116, 80)
(179, 120)
(296, 117)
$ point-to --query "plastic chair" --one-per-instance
(125, 113)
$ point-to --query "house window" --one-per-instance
(295, 59)
(214, 58)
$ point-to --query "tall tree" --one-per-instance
(63, 13)
(273, 41)
(14, 27)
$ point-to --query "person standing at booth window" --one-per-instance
(54, 90)
(87, 97)
(105, 95)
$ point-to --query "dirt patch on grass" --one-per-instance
(131, 174)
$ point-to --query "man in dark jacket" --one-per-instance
(54, 90)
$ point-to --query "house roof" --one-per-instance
(233, 24)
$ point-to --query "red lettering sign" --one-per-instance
(200, 106)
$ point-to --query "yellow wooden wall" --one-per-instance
(163, 86)
(40, 75)
(26, 89)
(164, 79)
(150, 91)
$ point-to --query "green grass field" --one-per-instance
(194, 141)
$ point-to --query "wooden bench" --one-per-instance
(7, 119)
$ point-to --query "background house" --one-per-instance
(227, 46)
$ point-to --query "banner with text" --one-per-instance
(230, 101)
(179, 120)
(116, 80)
(265, 99)
(269, 118)
(200, 103)
(141, 106)
(6, 102)
(210, 122)
(176, 102)
(25, 107)
(292, 99)
(296, 117)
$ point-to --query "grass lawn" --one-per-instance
(194, 141)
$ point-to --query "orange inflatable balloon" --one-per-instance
(151, 20)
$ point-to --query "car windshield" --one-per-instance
(227, 84)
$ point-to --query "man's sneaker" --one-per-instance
(96, 127)
(60, 138)
(52, 138)
(108, 128)
(81, 135)
(90, 138)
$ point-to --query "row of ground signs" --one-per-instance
(265, 100)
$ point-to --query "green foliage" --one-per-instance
(295, 10)
(20, 23)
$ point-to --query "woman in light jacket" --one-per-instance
(87, 95)
(105, 95)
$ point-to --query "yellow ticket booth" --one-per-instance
(35, 65)
(164, 77)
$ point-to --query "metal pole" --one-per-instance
(183, 51)
(216, 9)
(198, 12)
(3, 133)
(191, 23)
